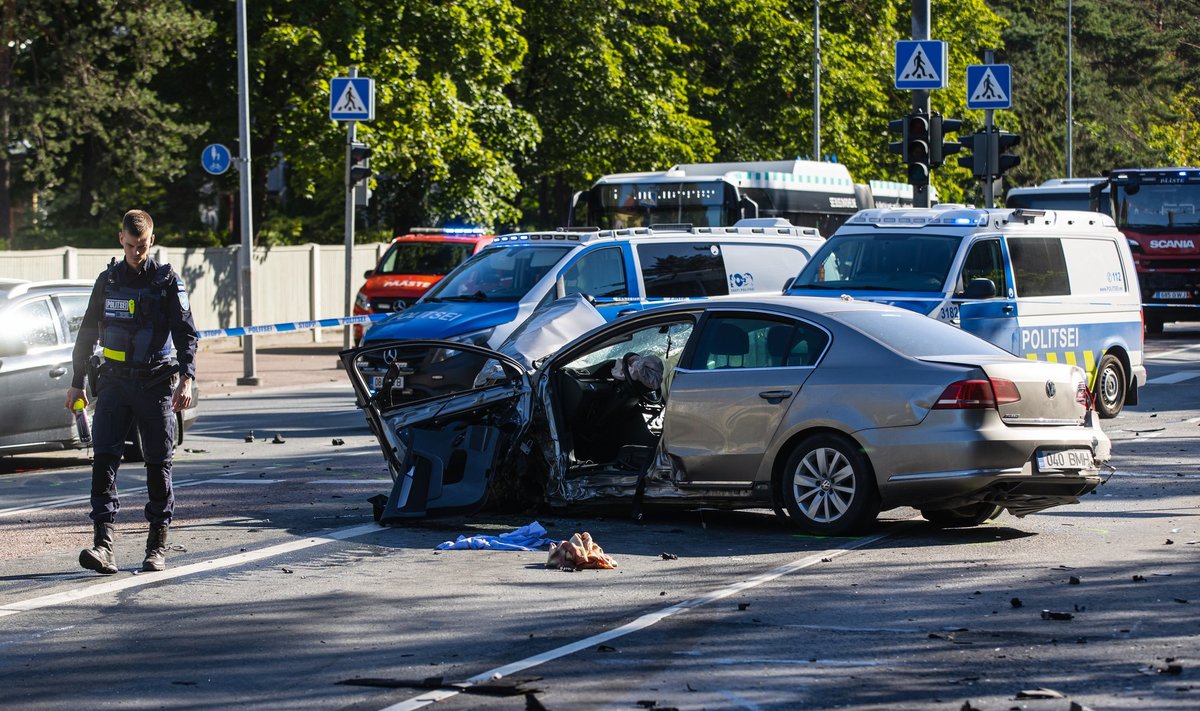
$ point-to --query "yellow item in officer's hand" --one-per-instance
(78, 405)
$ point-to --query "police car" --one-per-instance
(1057, 286)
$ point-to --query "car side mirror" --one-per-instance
(368, 274)
(10, 346)
(981, 289)
(788, 284)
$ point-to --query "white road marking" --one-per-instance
(135, 581)
(1168, 354)
(373, 482)
(246, 481)
(641, 623)
(1178, 377)
(33, 636)
(57, 503)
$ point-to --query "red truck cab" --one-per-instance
(413, 263)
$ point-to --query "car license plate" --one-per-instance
(377, 383)
(1171, 295)
(1072, 459)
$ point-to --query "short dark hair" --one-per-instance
(137, 223)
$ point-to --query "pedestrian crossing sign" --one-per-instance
(989, 86)
(351, 99)
(920, 64)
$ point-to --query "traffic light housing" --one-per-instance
(360, 163)
(899, 126)
(939, 148)
(980, 147)
(916, 148)
(1004, 143)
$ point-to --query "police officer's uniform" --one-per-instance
(132, 313)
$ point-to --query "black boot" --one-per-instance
(100, 557)
(156, 548)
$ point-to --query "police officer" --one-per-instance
(135, 306)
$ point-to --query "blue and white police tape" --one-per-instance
(289, 327)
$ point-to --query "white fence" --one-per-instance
(295, 283)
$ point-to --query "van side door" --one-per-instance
(992, 318)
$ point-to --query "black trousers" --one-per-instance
(122, 403)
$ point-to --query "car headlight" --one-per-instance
(475, 338)
(363, 301)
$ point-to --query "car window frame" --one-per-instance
(716, 312)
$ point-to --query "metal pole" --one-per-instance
(920, 97)
(246, 253)
(1070, 96)
(989, 185)
(816, 79)
(351, 135)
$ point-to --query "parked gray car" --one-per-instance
(38, 325)
(825, 410)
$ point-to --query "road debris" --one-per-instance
(579, 552)
(530, 537)
(289, 571)
(1016, 602)
(605, 648)
(743, 606)
(1139, 578)
(1073, 580)
(249, 437)
(669, 556)
(337, 442)
(1041, 693)
(1052, 615)
(278, 439)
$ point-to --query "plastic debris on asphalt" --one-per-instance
(579, 552)
(530, 537)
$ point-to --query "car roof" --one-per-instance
(583, 235)
(819, 305)
(13, 288)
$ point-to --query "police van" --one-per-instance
(1049, 285)
(622, 271)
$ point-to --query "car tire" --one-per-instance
(1109, 392)
(962, 517)
(828, 486)
(1154, 326)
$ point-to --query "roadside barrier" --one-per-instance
(290, 327)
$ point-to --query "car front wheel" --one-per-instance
(828, 487)
(1110, 387)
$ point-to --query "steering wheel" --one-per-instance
(645, 395)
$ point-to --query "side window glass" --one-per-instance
(985, 261)
(755, 342)
(73, 306)
(33, 324)
(683, 270)
(600, 273)
(1039, 267)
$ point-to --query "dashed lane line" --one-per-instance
(134, 581)
(641, 623)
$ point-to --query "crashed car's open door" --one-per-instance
(445, 415)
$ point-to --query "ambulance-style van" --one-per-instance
(1049, 285)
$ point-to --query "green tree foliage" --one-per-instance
(85, 130)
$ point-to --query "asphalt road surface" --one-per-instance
(283, 594)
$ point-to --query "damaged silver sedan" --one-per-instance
(825, 410)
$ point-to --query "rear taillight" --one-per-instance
(1083, 396)
(978, 394)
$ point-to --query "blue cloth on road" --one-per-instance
(530, 537)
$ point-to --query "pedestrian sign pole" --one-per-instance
(920, 66)
(351, 99)
(989, 87)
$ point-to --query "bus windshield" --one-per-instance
(701, 204)
(499, 273)
(1158, 207)
(881, 262)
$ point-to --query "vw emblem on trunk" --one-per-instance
(1050, 389)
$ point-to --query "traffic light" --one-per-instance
(916, 148)
(360, 163)
(977, 143)
(1004, 143)
(899, 126)
(939, 148)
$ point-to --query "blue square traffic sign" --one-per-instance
(351, 99)
(920, 64)
(989, 86)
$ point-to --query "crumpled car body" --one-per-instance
(826, 411)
